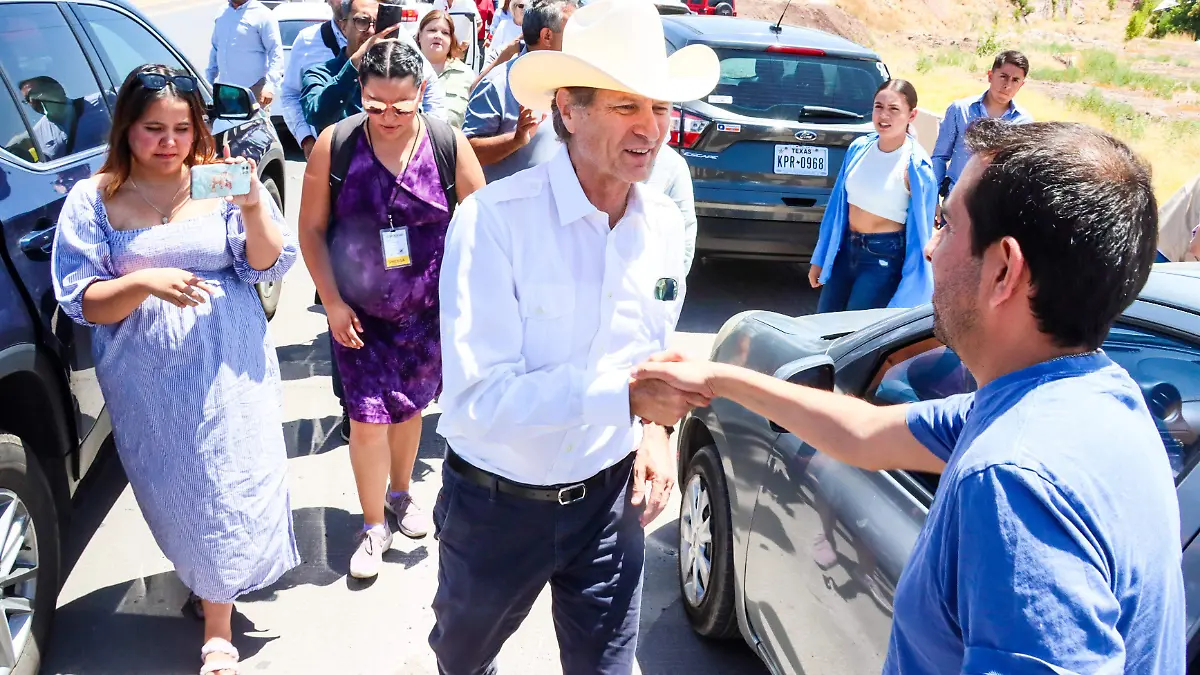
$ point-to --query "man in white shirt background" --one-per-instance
(312, 47)
(247, 50)
(556, 282)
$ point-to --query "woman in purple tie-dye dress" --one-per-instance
(383, 311)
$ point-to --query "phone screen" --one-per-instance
(389, 15)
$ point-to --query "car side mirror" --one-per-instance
(811, 371)
(231, 102)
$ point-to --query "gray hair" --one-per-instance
(581, 97)
(545, 14)
(342, 9)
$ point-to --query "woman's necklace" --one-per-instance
(391, 197)
(166, 217)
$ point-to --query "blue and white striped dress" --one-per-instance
(194, 393)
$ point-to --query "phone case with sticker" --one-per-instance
(220, 180)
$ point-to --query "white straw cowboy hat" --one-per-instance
(617, 45)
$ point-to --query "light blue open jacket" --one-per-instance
(916, 281)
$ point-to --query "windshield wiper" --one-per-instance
(822, 111)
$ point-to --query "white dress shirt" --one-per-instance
(308, 50)
(545, 310)
(246, 47)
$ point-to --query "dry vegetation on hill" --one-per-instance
(1147, 92)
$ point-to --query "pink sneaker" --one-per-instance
(413, 522)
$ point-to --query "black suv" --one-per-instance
(54, 57)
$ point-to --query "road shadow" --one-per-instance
(139, 624)
(432, 447)
(312, 436)
(718, 289)
(310, 359)
(99, 491)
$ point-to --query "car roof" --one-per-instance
(1174, 284)
(734, 31)
(311, 11)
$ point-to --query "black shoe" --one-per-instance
(345, 426)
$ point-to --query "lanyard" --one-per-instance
(403, 172)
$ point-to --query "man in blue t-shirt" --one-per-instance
(1053, 543)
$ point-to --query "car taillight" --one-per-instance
(686, 128)
(799, 51)
(408, 15)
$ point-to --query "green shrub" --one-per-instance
(1112, 5)
(1139, 21)
(1182, 62)
(1121, 117)
(924, 64)
(988, 46)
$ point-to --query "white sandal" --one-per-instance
(219, 646)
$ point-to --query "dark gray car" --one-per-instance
(766, 146)
(800, 554)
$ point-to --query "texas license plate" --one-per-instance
(801, 160)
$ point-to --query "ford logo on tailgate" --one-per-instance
(806, 135)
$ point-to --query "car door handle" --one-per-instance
(38, 245)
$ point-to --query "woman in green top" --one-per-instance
(438, 43)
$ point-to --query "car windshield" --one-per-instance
(795, 87)
(289, 29)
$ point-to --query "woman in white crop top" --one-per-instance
(879, 216)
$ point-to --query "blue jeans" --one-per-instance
(866, 273)
(498, 551)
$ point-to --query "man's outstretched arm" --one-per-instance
(848, 429)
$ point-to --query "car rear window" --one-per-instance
(289, 29)
(779, 86)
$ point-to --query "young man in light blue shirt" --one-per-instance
(246, 50)
(1052, 545)
(1005, 79)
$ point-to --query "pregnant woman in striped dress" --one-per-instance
(180, 342)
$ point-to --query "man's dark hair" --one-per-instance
(391, 59)
(1011, 58)
(544, 14)
(1080, 205)
(580, 96)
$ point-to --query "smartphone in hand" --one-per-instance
(220, 180)
(389, 15)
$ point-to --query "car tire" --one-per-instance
(23, 486)
(268, 291)
(724, 9)
(706, 537)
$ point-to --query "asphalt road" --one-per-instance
(119, 611)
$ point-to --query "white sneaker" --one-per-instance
(368, 557)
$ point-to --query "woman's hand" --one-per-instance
(178, 287)
(344, 325)
(814, 275)
(250, 199)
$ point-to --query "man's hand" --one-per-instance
(814, 275)
(655, 401)
(307, 146)
(265, 98)
(689, 379)
(356, 57)
(527, 126)
(653, 465)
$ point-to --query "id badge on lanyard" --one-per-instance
(394, 242)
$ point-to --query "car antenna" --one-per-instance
(778, 27)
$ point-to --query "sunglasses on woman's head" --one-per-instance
(155, 81)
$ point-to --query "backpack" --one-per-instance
(345, 136)
(330, 39)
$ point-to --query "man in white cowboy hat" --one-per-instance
(556, 282)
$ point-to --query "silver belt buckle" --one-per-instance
(572, 494)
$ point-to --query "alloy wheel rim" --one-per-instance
(695, 541)
(18, 577)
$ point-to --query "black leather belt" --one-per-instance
(563, 494)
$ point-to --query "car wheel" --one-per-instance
(724, 9)
(706, 548)
(30, 566)
(268, 291)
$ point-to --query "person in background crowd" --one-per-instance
(246, 50)
(506, 136)
(1178, 220)
(66, 123)
(330, 92)
(487, 11)
(871, 249)
(1005, 79)
(506, 27)
(382, 303)
(1053, 544)
(555, 283)
(182, 352)
(440, 45)
(313, 46)
(673, 177)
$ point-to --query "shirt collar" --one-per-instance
(1012, 111)
(1054, 369)
(569, 199)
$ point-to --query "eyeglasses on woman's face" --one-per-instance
(154, 81)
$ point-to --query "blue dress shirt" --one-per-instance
(950, 153)
(246, 47)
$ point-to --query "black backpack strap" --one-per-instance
(330, 39)
(341, 151)
(445, 155)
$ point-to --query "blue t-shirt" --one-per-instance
(493, 110)
(1053, 543)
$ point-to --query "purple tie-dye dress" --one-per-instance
(398, 371)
